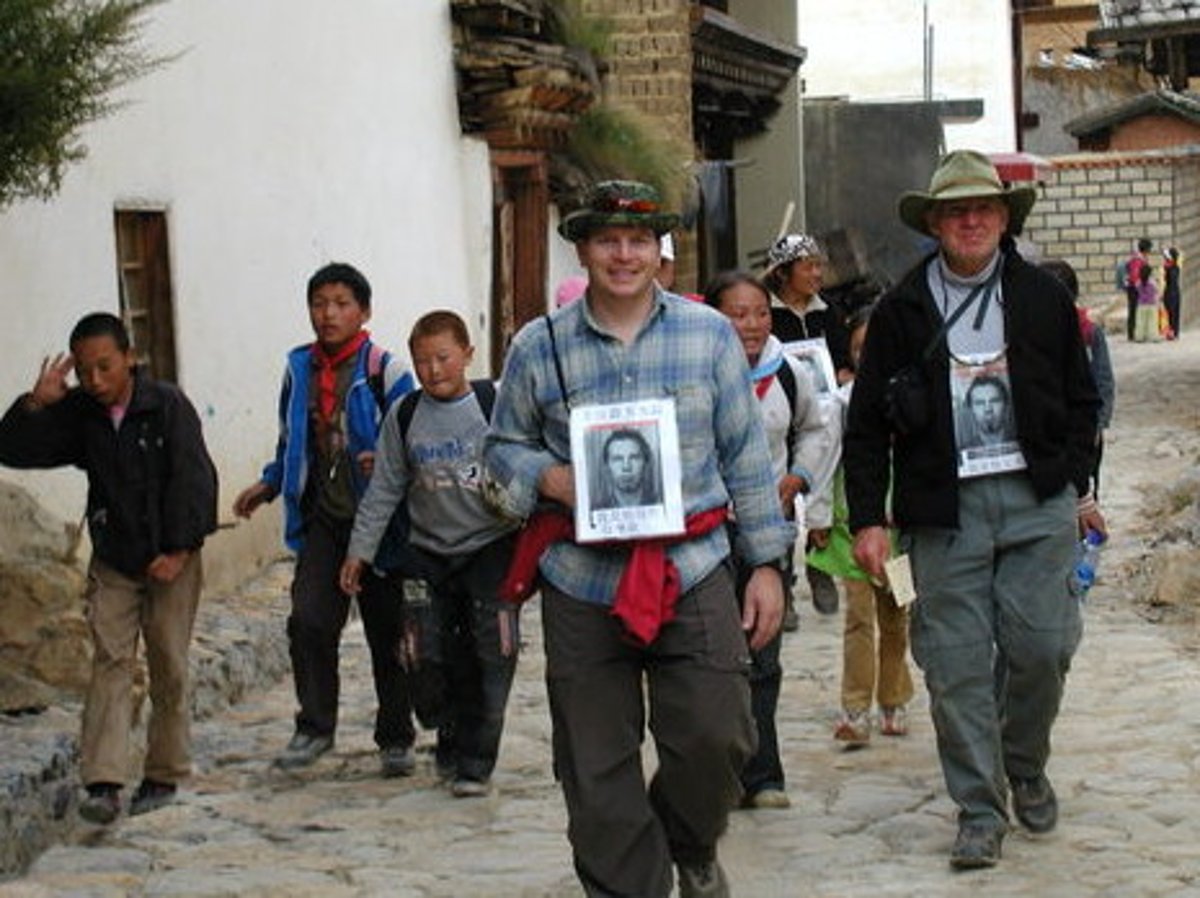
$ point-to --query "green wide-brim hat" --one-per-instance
(618, 203)
(965, 174)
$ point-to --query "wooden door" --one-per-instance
(521, 198)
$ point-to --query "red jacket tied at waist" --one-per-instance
(649, 586)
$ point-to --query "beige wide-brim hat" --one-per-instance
(965, 174)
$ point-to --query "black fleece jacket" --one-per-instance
(1054, 400)
(152, 488)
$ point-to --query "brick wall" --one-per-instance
(650, 63)
(1092, 209)
(650, 69)
(1148, 132)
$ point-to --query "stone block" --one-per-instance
(1178, 576)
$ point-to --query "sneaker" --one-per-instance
(102, 805)
(768, 799)
(824, 591)
(893, 721)
(150, 796)
(704, 880)
(468, 788)
(303, 750)
(1035, 804)
(853, 728)
(397, 760)
(976, 847)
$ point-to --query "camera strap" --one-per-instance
(948, 323)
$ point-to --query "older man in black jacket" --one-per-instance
(990, 530)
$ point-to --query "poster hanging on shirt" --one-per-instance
(814, 356)
(985, 429)
(628, 481)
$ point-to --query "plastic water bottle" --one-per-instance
(1087, 562)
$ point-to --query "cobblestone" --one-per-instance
(874, 822)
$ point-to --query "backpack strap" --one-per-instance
(404, 414)
(485, 395)
(377, 362)
(787, 380)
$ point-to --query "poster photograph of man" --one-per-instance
(626, 459)
(628, 473)
(988, 402)
(985, 429)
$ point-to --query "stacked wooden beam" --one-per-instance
(514, 86)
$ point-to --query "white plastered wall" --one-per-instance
(282, 136)
(874, 50)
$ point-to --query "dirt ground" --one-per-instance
(863, 824)
(1150, 480)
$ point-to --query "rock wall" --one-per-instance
(45, 648)
(45, 656)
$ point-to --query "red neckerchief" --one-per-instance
(327, 372)
(1085, 326)
(649, 585)
(761, 386)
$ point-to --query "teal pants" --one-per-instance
(994, 628)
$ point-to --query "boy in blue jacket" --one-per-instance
(335, 392)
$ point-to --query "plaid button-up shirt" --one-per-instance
(685, 351)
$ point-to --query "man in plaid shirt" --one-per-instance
(629, 340)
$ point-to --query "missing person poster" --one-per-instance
(628, 481)
(984, 427)
(814, 356)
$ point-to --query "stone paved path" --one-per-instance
(871, 823)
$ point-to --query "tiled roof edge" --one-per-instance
(1121, 159)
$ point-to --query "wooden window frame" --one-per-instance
(144, 286)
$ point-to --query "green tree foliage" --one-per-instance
(60, 61)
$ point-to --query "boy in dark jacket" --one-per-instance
(152, 499)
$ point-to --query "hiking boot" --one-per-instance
(397, 760)
(893, 721)
(464, 787)
(102, 805)
(824, 591)
(769, 799)
(1035, 804)
(791, 618)
(150, 796)
(976, 847)
(703, 880)
(853, 728)
(303, 750)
